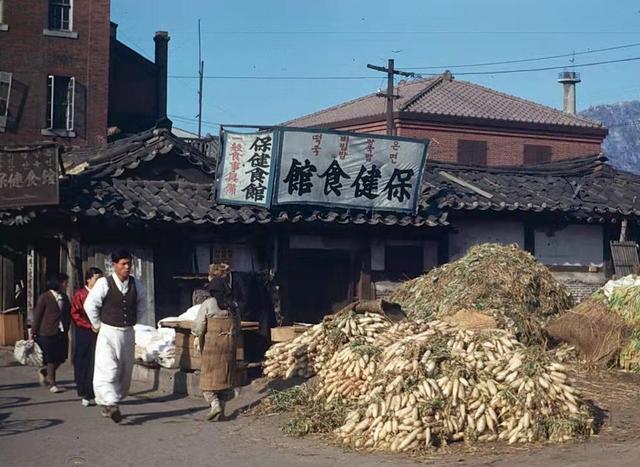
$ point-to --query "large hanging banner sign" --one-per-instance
(246, 174)
(349, 170)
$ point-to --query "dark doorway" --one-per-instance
(319, 283)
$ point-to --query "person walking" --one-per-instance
(216, 328)
(85, 343)
(50, 328)
(114, 305)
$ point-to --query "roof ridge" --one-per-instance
(350, 102)
(430, 87)
(527, 101)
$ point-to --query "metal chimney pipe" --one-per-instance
(161, 39)
(569, 79)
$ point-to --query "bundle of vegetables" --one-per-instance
(625, 302)
(307, 354)
(443, 384)
(503, 282)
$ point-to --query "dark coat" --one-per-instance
(47, 315)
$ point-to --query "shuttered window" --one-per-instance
(60, 103)
(5, 95)
(534, 154)
(472, 152)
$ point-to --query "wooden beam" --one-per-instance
(465, 184)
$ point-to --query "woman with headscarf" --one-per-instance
(50, 328)
(86, 335)
(216, 328)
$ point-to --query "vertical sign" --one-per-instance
(246, 173)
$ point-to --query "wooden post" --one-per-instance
(623, 230)
(390, 126)
(31, 281)
(364, 281)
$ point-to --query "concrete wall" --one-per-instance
(574, 245)
(466, 234)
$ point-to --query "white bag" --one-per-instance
(28, 353)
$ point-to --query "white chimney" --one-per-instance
(569, 79)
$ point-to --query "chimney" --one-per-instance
(113, 31)
(161, 39)
(569, 79)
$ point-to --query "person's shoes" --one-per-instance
(215, 412)
(55, 389)
(42, 376)
(115, 414)
(88, 402)
(104, 411)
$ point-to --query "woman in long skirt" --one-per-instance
(85, 348)
(50, 328)
(216, 328)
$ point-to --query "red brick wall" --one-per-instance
(504, 147)
(32, 56)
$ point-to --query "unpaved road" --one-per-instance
(39, 428)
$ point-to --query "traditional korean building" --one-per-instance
(154, 194)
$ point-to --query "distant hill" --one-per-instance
(622, 145)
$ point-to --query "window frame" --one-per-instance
(69, 103)
(537, 153)
(471, 154)
(59, 4)
(8, 78)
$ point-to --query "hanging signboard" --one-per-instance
(349, 170)
(246, 174)
(28, 176)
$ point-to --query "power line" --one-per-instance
(527, 70)
(445, 32)
(415, 75)
(505, 62)
(277, 77)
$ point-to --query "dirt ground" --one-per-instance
(40, 428)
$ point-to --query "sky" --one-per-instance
(286, 39)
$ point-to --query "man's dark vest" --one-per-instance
(118, 309)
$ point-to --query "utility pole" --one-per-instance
(390, 71)
(200, 76)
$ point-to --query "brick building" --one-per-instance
(468, 123)
(63, 74)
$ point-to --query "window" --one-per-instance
(534, 154)
(60, 15)
(5, 94)
(472, 152)
(60, 103)
(3, 27)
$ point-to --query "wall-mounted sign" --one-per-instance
(325, 168)
(349, 170)
(246, 176)
(28, 176)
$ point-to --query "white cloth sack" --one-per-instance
(626, 281)
(28, 353)
(155, 345)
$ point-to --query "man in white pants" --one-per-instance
(114, 305)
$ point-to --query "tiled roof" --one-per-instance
(114, 159)
(185, 202)
(447, 97)
(585, 188)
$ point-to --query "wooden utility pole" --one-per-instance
(390, 71)
(200, 76)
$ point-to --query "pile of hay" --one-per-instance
(596, 332)
(503, 282)
(605, 328)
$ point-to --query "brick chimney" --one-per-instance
(161, 39)
(569, 79)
